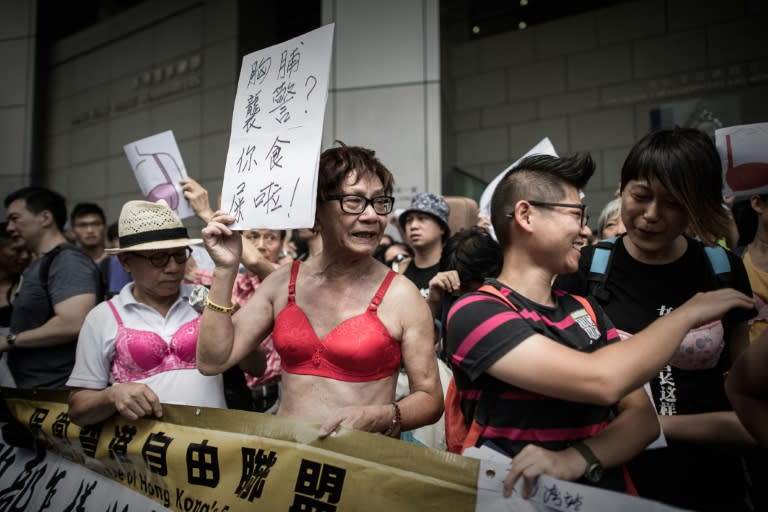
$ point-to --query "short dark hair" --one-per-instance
(473, 254)
(112, 231)
(685, 161)
(82, 209)
(539, 177)
(382, 249)
(338, 163)
(39, 199)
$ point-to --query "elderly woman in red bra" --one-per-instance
(137, 350)
(342, 322)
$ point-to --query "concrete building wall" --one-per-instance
(173, 66)
(590, 82)
(385, 87)
(160, 66)
(17, 101)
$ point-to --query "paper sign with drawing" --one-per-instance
(744, 159)
(158, 167)
(270, 176)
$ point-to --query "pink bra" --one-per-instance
(700, 349)
(359, 349)
(141, 354)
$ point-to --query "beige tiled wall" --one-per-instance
(589, 82)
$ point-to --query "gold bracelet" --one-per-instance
(215, 307)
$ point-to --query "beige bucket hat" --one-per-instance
(146, 226)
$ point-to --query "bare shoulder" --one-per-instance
(404, 298)
(403, 288)
(274, 288)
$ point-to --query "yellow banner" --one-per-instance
(200, 459)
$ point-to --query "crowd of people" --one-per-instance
(631, 357)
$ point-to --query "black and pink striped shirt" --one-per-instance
(481, 329)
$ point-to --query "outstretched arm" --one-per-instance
(607, 375)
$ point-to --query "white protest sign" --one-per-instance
(544, 147)
(158, 167)
(550, 494)
(270, 177)
(744, 155)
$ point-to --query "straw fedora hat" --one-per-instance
(145, 226)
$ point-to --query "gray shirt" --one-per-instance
(71, 273)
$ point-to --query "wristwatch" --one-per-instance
(197, 297)
(10, 339)
(595, 470)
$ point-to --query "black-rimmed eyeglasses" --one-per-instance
(583, 218)
(354, 204)
(161, 259)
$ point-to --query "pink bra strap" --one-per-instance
(292, 282)
(114, 312)
(382, 290)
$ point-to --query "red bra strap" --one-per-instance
(292, 282)
(382, 290)
(114, 312)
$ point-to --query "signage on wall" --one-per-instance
(148, 86)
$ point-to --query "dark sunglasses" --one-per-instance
(161, 259)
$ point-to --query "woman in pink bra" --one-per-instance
(137, 350)
(342, 322)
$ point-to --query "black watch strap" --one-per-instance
(10, 339)
(594, 471)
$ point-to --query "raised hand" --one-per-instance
(442, 284)
(223, 244)
(197, 196)
(705, 307)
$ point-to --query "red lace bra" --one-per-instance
(359, 349)
(141, 354)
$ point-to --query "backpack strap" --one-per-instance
(45, 267)
(721, 265)
(492, 290)
(602, 258)
(45, 270)
(587, 307)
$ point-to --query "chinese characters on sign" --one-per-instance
(270, 176)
